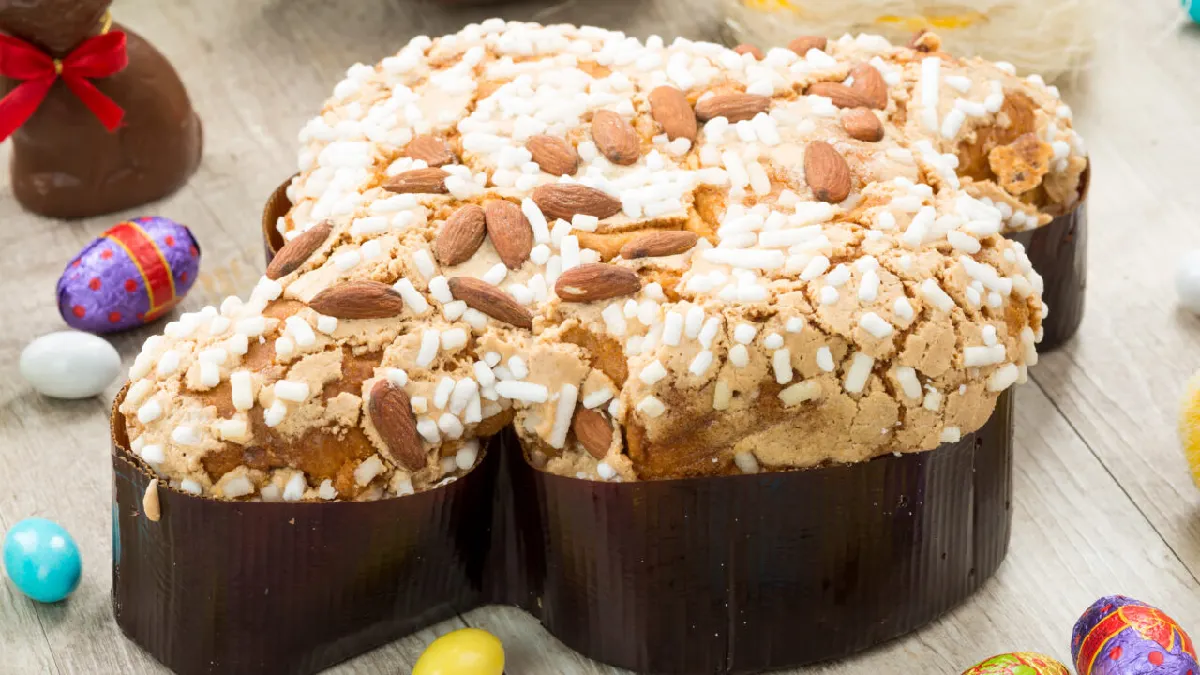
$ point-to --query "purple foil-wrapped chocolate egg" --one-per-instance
(131, 275)
(1122, 636)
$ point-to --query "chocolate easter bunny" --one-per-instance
(66, 162)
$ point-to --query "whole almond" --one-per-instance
(614, 137)
(593, 431)
(392, 416)
(841, 95)
(431, 149)
(802, 44)
(871, 85)
(358, 300)
(596, 281)
(564, 200)
(827, 173)
(509, 231)
(553, 154)
(751, 50)
(734, 107)
(671, 109)
(460, 236)
(430, 181)
(655, 244)
(298, 250)
(489, 299)
(150, 504)
(863, 125)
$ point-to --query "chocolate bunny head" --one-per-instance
(65, 163)
(56, 26)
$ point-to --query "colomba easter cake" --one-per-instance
(653, 260)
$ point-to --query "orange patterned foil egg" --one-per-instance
(1018, 663)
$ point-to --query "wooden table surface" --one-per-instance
(1103, 503)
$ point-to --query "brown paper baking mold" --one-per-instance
(734, 574)
(1058, 251)
(277, 207)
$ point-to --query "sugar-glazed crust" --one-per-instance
(655, 261)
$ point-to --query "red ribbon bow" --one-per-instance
(99, 56)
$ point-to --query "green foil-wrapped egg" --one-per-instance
(1018, 663)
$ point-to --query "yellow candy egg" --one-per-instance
(467, 651)
(1189, 426)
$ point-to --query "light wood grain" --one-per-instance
(1102, 502)
(1119, 383)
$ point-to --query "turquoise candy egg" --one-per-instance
(1193, 9)
(42, 559)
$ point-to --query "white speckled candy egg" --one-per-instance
(1187, 280)
(70, 364)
